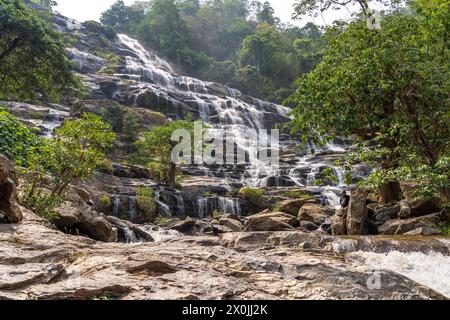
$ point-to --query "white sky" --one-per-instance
(83, 10)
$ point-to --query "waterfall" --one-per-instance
(229, 205)
(133, 209)
(203, 207)
(431, 269)
(180, 204)
(228, 109)
(116, 207)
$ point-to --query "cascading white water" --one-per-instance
(234, 116)
(133, 209)
(116, 205)
(431, 269)
(228, 205)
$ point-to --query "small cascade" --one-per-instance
(430, 269)
(160, 234)
(180, 204)
(133, 209)
(204, 207)
(116, 205)
(130, 237)
(229, 205)
(164, 209)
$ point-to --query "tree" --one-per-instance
(15, 138)
(267, 15)
(123, 18)
(313, 7)
(156, 149)
(388, 86)
(73, 153)
(32, 57)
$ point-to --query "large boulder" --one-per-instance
(233, 224)
(277, 221)
(396, 227)
(381, 213)
(424, 207)
(292, 206)
(82, 219)
(315, 213)
(339, 222)
(357, 217)
(9, 209)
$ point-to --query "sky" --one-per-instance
(83, 10)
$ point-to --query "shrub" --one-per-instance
(146, 203)
(74, 152)
(15, 138)
(254, 196)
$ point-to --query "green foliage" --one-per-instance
(76, 149)
(42, 203)
(95, 27)
(146, 203)
(296, 195)
(252, 195)
(155, 150)
(445, 230)
(161, 221)
(15, 138)
(32, 57)
(389, 86)
(112, 63)
(259, 57)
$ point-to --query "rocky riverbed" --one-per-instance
(39, 262)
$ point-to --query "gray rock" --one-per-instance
(339, 222)
(8, 206)
(357, 217)
(315, 213)
(396, 227)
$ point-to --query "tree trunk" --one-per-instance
(390, 192)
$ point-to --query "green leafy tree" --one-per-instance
(389, 86)
(156, 149)
(73, 153)
(32, 58)
(123, 18)
(267, 15)
(15, 138)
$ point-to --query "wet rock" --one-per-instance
(357, 216)
(278, 221)
(127, 229)
(315, 213)
(292, 206)
(339, 222)
(9, 208)
(395, 227)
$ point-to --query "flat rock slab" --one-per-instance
(37, 262)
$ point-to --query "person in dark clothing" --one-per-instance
(345, 199)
